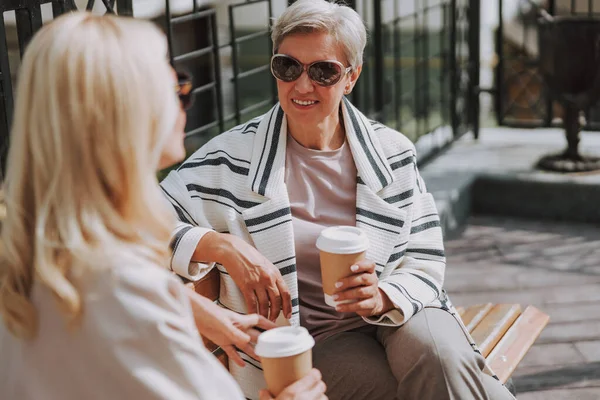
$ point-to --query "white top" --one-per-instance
(136, 340)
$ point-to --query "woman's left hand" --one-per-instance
(227, 329)
(363, 291)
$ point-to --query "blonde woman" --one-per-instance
(87, 310)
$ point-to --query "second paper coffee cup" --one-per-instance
(339, 247)
(286, 356)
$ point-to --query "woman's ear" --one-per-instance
(353, 78)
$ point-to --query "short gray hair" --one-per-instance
(306, 16)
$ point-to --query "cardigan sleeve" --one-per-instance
(187, 234)
(418, 278)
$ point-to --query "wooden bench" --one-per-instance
(504, 332)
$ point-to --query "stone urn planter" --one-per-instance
(569, 49)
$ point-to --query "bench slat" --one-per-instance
(475, 314)
(209, 286)
(495, 324)
(221, 356)
(511, 349)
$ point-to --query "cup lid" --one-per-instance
(284, 341)
(342, 240)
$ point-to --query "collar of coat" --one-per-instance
(267, 167)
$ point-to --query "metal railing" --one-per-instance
(28, 16)
(420, 74)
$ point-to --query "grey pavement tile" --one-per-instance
(590, 350)
(565, 394)
(577, 312)
(556, 377)
(541, 297)
(511, 278)
(552, 354)
(570, 332)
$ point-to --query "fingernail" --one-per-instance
(354, 268)
(335, 296)
(338, 285)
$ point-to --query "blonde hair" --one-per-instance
(95, 103)
(340, 21)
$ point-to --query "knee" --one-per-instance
(451, 357)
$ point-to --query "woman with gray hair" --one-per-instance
(254, 200)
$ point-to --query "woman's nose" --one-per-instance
(304, 84)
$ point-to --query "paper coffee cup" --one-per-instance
(340, 247)
(286, 356)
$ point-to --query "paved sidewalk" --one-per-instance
(554, 266)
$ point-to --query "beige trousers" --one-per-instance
(428, 358)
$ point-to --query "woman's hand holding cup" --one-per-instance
(311, 387)
(360, 292)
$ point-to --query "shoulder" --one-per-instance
(134, 293)
(236, 142)
(392, 142)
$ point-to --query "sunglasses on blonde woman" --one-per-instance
(323, 73)
(184, 88)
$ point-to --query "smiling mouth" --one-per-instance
(304, 102)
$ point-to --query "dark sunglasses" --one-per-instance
(184, 88)
(323, 73)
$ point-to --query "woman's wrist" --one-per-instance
(210, 248)
(387, 304)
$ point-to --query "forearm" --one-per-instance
(209, 249)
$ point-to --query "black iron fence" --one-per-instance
(421, 71)
(521, 98)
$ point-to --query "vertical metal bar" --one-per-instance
(425, 44)
(572, 6)
(379, 68)
(474, 26)
(169, 31)
(397, 66)
(417, 85)
(357, 91)
(125, 7)
(29, 20)
(217, 72)
(234, 62)
(500, 65)
(549, 100)
(453, 68)
(271, 50)
(6, 100)
(590, 8)
(58, 8)
(443, 61)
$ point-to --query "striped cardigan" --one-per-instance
(235, 183)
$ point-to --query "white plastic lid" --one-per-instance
(342, 240)
(285, 341)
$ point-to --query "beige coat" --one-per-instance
(137, 340)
